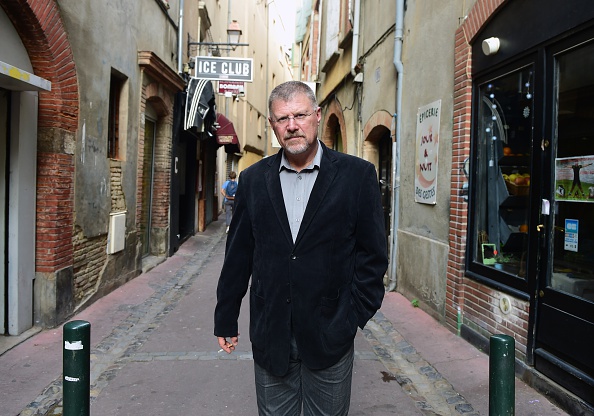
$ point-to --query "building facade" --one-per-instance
(474, 114)
(104, 167)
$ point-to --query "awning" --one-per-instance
(226, 135)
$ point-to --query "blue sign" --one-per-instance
(571, 235)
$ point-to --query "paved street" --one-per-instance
(153, 353)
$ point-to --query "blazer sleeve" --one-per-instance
(371, 260)
(237, 267)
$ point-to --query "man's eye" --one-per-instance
(300, 116)
(282, 120)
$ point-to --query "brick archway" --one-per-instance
(39, 25)
(477, 18)
(334, 118)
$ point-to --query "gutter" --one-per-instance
(396, 145)
(180, 37)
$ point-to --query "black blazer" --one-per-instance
(321, 287)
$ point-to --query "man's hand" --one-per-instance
(227, 346)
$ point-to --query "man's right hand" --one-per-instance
(228, 346)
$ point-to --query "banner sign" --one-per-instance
(427, 148)
(229, 69)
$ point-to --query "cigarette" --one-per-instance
(221, 350)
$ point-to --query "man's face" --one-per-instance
(295, 124)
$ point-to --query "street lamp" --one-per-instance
(233, 35)
(234, 32)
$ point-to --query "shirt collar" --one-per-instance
(317, 160)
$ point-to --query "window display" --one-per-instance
(503, 171)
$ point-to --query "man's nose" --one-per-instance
(292, 124)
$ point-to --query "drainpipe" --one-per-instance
(396, 145)
(355, 48)
(180, 37)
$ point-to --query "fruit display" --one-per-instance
(517, 183)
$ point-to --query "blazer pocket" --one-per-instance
(338, 324)
(257, 320)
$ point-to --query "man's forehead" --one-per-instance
(298, 101)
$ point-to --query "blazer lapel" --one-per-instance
(275, 192)
(326, 176)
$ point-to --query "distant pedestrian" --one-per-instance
(228, 191)
(308, 229)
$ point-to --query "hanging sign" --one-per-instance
(427, 148)
(229, 69)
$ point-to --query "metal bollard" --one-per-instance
(77, 368)
(502, 388)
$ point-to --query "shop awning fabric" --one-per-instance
(226, 135)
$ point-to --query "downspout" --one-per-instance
(180, 36)
(319, 43)
(396, 145)
(355, 48)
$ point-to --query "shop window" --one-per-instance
(502, 174)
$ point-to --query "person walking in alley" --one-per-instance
(228, 191)
(308, 229)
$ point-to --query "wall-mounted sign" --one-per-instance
(230, 69)
(427, 152)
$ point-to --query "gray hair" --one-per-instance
(287, 90)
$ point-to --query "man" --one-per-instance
(228, 191)
(308, 229)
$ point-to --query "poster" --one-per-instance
(427, 148)
(574, 179)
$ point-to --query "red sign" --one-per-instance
(232, 87)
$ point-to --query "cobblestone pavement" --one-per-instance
(422, 390)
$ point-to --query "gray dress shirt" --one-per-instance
(297, 188)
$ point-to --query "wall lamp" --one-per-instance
(233, 34)
(491, 46)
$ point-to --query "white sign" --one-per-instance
(427, 149)
(229, 69)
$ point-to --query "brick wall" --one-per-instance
(42, 33)
(480, 304)
(90, 257)
(55, 212)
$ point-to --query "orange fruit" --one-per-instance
(507, 151)
(524, 228)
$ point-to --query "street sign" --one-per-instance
(229, 69)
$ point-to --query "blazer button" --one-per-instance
(293, 257)
(288, 300)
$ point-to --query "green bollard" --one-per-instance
(502, 388)
(77, 368)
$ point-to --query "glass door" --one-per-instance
(565, 310)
